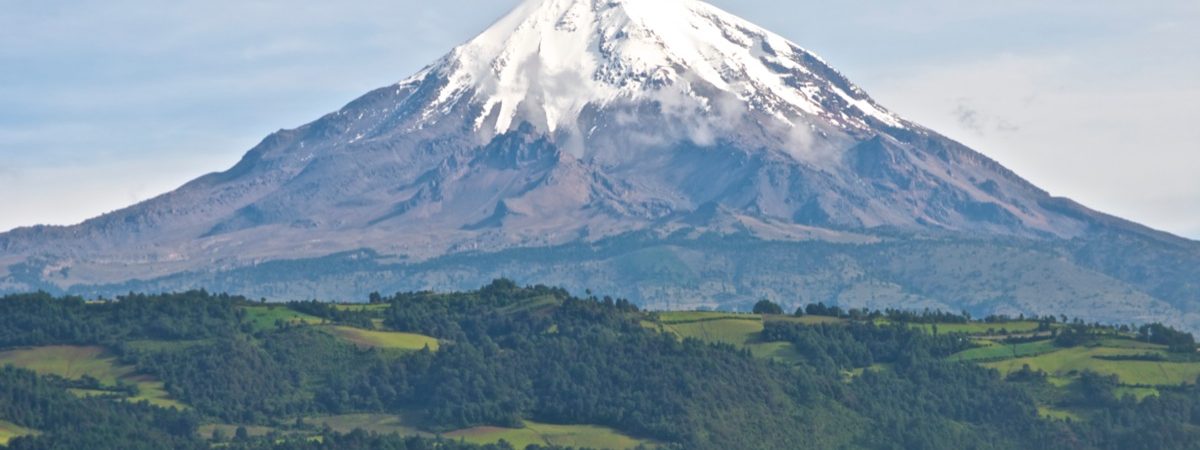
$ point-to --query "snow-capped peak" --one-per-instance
(548, 60)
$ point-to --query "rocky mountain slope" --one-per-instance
(661, 149)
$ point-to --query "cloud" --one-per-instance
(1111, 143)
(968, 118)
(981, 124)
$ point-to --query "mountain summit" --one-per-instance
(552, 62)
(664, 150)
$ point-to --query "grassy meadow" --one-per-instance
(980, 328)
(75, 362)
(391, 340)
(579, 436)
(9, 431)
(1069, 362)
(1063, 365)
(264, 317)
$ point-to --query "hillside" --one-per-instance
(539, 368)
(665, 151)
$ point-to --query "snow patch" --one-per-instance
(549, 60)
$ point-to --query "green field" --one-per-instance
(8, 431)
(533, 433)
(74, 362)
(739, 330)
(1130, 343)
(385, 339)
(1070, 361)
(545, 434)
(1139, 393)
(980, 328)
(997, 350)
(697, 316)
(1058, 414)
(264, 317)
(783, 352)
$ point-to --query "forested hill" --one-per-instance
(534, 367)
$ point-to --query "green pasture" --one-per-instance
(1139, 393)
(1058, 414)
(385, 339)
(264, 317)
(75, 362)
(9, 431)
(670, 317)
(1130, 344)
(1000, 350)
(978, 329)
(580, 436)
(1070, 361)
(739, 330)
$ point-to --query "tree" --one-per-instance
(767, 307)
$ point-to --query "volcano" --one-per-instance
(661, 150)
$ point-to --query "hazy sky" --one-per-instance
(107, 102)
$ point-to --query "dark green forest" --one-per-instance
(510, 354)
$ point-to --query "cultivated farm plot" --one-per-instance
(1065, 362)
(74, 362)
(996, 351)
(264, 317)
(377, 423)
(1139, 393)
(588, 436)
(978, 329)
(739, 330)
(1058, 414)
(385, 339)
(806, 320)
(697, 316)
(10, 431)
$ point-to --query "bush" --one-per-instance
(767, 307)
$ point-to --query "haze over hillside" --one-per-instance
(665, 151)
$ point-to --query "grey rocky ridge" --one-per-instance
(661, 150)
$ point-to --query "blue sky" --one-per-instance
(105, 103)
